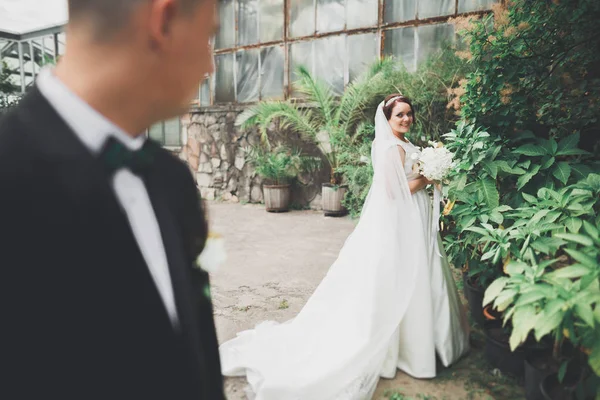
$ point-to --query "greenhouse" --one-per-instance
(31, 35)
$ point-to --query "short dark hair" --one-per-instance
(399, 98)
(110, 15)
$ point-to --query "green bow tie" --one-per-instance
(115, 155)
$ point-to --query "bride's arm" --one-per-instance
(416, 184)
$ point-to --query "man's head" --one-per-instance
(162, 45)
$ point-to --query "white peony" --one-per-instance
(213, 255)
(435, 162)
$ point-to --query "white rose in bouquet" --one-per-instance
(435, 162)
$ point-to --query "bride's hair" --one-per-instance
(391, 100)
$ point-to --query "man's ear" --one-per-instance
(161, 17)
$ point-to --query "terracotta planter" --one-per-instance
(277, 197)
(332, 200)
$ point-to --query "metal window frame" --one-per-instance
(163, 141)
(379, 29)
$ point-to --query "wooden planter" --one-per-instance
(277, 197)
(332, 200)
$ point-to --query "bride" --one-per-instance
(389, 301)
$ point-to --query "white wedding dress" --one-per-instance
(389, 301)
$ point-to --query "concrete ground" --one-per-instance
(275, 261)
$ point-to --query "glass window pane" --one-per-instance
(224, 83)
(271, 73)
(435, 8)
(330, 15)
(271, 20)
(247, 75)
(247, 22)
(205, 93)
(431, 39)
(401, 44)
(400, 11)
(330, 54)
(361, 13)
(226, 36)
(172, 132)
(156, 133)
(300, 54)
(363, 49)
(474, 5)
(302, 18)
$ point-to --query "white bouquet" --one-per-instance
(213, 255)
(435, 162)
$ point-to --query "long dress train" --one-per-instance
(387, 302)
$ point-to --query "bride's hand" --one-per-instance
(427, 181)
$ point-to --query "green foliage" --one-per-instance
(492, 214)
(324, 119)
(558, 299)
(280, 165)
(537, 68)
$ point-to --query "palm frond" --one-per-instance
(262, 115)
(316, 92)
(359, 93)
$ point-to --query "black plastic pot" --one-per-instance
(552, 389)
(497, 350)
(474, 295)
(537, 366)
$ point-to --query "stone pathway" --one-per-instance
(275, 261)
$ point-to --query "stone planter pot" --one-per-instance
(277, 197)
(332, 200)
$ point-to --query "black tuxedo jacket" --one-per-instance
(81, 316)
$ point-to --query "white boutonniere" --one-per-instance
(213, 255)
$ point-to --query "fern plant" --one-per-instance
(323, 119)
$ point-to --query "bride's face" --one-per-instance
(401, 118)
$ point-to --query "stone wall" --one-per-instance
(214, 151)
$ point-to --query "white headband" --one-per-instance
(390, 101)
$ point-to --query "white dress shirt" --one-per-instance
(93, 130)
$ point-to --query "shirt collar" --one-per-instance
(91, 127)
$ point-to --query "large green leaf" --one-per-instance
(577, 238)
(531, 150)
(594, 360)
(562, 172)
(547, 162)
(583, 258)
(522, 181)
(572, 271)
(494, 290)
(569, 142)
(573, 224)
(488, 193)
(530, 297)
(524, 320)
(505, 298)
(586, 313)
(491, 168)
(461, 182)
(550, 318)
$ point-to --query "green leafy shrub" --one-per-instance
(537, 69)
(280, 165)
